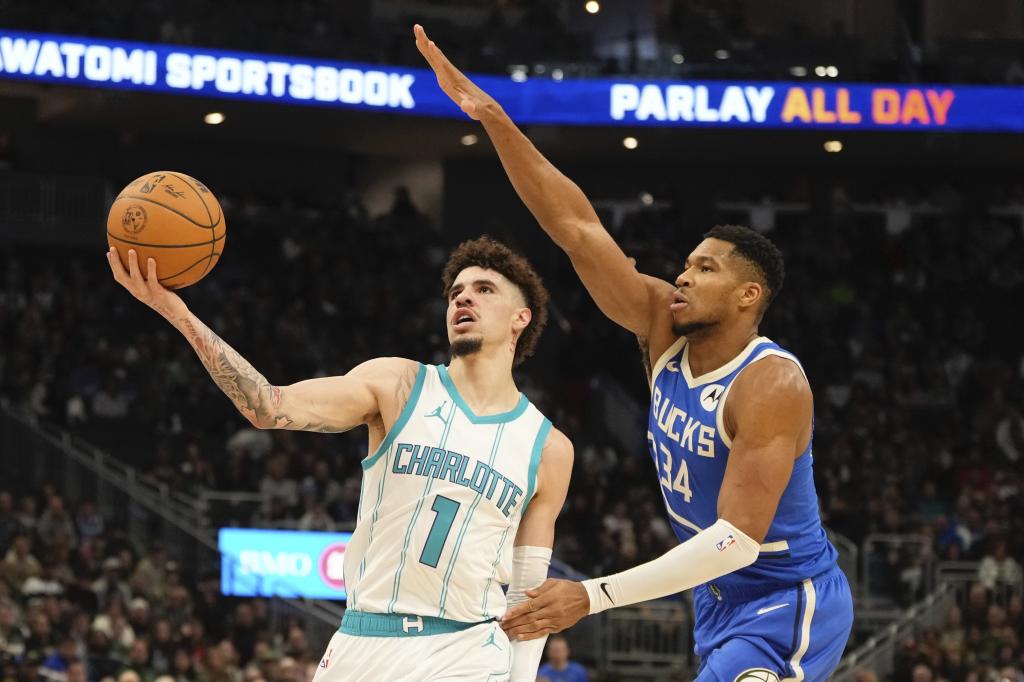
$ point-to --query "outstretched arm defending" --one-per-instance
(326, 405)
(633, 300)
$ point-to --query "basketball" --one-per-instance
(173, 219)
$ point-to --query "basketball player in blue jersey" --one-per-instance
(730, 432)
(462, 486)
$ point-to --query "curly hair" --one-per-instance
(760, 254)
(489, 254)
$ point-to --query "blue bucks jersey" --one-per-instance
(690, 448)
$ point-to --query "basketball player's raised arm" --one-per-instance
(632, 300)
(531, 553)
(327, 405)
(769, 411)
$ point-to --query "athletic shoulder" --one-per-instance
(772, 390)
(383, 374)
(558, 449)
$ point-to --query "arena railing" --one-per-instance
(878, 653)
(34, 454)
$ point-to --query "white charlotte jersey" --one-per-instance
(440, 504)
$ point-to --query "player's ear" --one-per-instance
(750, 294)
(521, 319)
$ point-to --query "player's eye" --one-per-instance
(485, 289)
(705, 268)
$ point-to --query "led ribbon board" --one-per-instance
(293, 80)
(282, 563)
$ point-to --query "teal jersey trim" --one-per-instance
(512, 414)
(416, 513)
(538, 447)
(363, 624)
(465, 524)
(410, 406)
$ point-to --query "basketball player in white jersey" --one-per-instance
(461, 488)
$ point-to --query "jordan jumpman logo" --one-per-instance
(437, 413)
(490, 640)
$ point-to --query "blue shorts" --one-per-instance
(796, 633)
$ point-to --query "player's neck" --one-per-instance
(714, 348)
(485, 382)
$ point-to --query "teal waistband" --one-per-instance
(364, 624)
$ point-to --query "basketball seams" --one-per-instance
(182, 272)
(137, 197)
(164, 246)
(188, 181)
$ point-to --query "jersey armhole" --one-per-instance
(403, 417)
(720, 414)
(535, 456)
(672, 351)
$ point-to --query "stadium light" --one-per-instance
(798, 71)
(833, 146)
(677, 58)
(646, 198)
(592, 7)
(630, 142)
(832, 71)
(214, 118)
(557, 74)
(518, 73)
(721, 54)
(469, 140)
(820, 71)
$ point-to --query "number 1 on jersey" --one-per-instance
(445, 510)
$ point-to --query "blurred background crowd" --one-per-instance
(902, 301)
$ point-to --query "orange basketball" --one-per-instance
(173, 219)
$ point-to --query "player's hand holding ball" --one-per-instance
(145, 288)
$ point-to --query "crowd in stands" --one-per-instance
(80, 601)
(904, 325)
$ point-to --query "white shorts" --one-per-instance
(479, 653)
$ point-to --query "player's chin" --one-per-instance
(465, 343)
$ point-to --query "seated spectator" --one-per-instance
(20, 564)
(558, 667)
(999, 567)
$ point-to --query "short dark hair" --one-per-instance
(489, 254)
(759, 252)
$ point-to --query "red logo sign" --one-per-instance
(332, 565)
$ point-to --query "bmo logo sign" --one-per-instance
(264, 563)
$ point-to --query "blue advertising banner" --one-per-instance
(282, 563)
(629, 102)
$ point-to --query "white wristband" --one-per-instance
(715, 551)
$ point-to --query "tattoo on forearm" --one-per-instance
(251, 393)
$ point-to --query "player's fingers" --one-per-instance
(521, 619)
(114, 261)
(515, 612)
(531, 630)
(151, 278)
(133, 266)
